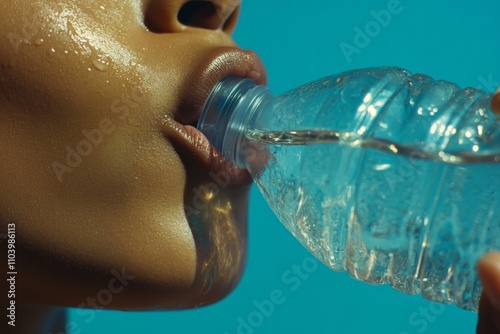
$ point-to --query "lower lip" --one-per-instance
(186, 139)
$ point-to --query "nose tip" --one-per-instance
(172, 16)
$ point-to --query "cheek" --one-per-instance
(119, 205)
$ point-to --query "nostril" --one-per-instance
(231, 21)
(201, 14)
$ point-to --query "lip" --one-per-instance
(179, 129)
(219, 63)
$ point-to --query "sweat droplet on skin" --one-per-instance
(39, 41)
(100, 63)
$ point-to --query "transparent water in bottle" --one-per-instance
(350, 218)
(391, 176)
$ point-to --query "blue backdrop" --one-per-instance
(300, 41)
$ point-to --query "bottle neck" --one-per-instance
(229, 113)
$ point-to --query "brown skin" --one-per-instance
(495, 103)
(489, 306)
(62, 71)
(489, 271)
(68, 68)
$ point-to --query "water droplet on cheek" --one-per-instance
(100, 63)
(39, 41)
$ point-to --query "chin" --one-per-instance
(220, 234)
(140, 279)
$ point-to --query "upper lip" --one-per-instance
(192, 146)
(220, 63)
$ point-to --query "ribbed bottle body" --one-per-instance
(389, 176)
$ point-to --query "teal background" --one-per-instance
(299, 42)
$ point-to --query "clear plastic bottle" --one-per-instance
(391, 176)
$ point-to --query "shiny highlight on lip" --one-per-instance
(186, 138)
